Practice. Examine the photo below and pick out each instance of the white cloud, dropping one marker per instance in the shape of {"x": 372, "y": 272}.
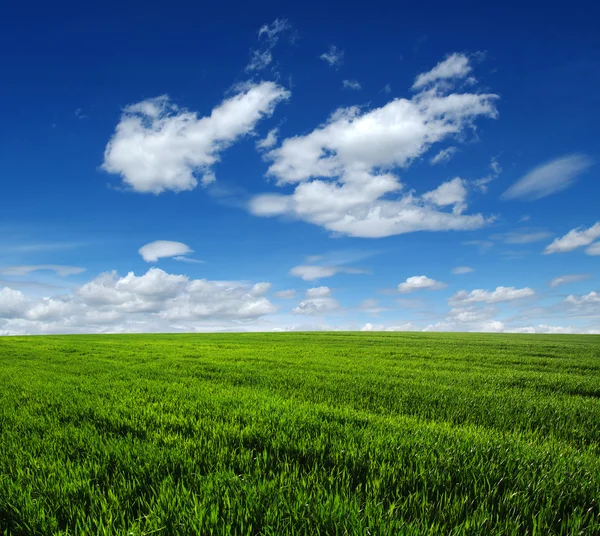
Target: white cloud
{"x": 569, "y": 278}
{"x": 449, "y": 193}
{"x": 443, "y": 156}
{"x": 454, "y": 66}
{"x": 462, "y": 270}
{"x": 333, "y": 56}
{"x": 594, "y": 249}
{"x": 419, "y": 282}
{"x": 319, "y": 301}
{"x": 154, "y": 301}
{"x": 60, "y": 270}
{"x": 501, "y": 294}
{"x": 286, "y": 294}
{"x": 387, "y": 88}
{"x": 351, "y": 84}
{"x": 343, "y": 168}
{"x": 549, "y": 178}
{"x": 164, "y": 248}
{"x": 269, "y": 140}
{"x": 574, "y": 239}
{"x": 158, "y": 146}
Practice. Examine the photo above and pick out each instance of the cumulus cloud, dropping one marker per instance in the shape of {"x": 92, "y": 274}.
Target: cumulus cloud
{"x": 419, "y": 282}
{"x": 549, "y": 178}
{"x": 501, "y": 294}
{"x": 286, "y": 294}
{"x": 453, "y": 67}
{"x": 343, "y": 170}
{"x": 574, "y": 239}
{"x": 60, "y": 270}
{"x": 448, "y": 193}
{"x": 568, "y": 278}
{"x": 318, "y": 301}
{"x": 154, "y": 301}
{"x": 334, "y": 57}
{"x": 269, "y": 140}
{"x": 443, "y": 156}
{"x": 462, "y": 270}
{"x": 164, "y": 248}
{"x": 158, "y": 146}
{"x": 351, "y": 84}
{"x": 12, "y": 303}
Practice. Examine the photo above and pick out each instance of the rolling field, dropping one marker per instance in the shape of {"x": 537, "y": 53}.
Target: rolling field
{"x": 305, "y": 433}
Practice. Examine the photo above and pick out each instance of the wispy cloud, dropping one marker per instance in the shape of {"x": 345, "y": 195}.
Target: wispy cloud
{"x": 568, "y": 278}
{"x": 549, "y": 178}
{"x": 443, "y": 156}
{"x": 334, "y": 57}
{"x": 268, "y": 35}
{"x": 60, "y": 270}
{"x": 522, "y": 236}
{"x": 460, "y": 270}
{"x": 351, "y": 84}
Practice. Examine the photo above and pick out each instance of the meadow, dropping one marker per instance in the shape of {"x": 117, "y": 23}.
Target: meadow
{"x": 303, "y": 433}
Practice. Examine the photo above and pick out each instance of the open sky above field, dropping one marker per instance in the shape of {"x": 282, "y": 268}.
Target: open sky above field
{"x": 244, "y": 166}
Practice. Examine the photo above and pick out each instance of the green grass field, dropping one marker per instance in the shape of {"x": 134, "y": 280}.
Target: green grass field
{"x": 311, "y": 433}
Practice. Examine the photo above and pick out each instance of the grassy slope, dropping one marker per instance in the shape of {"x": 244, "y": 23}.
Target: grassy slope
{"x": 300, "y": 433}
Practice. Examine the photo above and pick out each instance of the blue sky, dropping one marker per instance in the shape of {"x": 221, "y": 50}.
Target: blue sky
{"x": 205, "y": 168}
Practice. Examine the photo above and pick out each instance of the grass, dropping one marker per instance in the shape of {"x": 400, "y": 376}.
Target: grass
{"x": 309, "y": 433}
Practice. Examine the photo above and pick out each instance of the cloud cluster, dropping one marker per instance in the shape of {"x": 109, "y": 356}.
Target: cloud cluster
{"x": 454, "y": 66}
{"x": 158, "y": 146}
{"x": 343, "y": 171}
{"x": 153, "y": 301}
